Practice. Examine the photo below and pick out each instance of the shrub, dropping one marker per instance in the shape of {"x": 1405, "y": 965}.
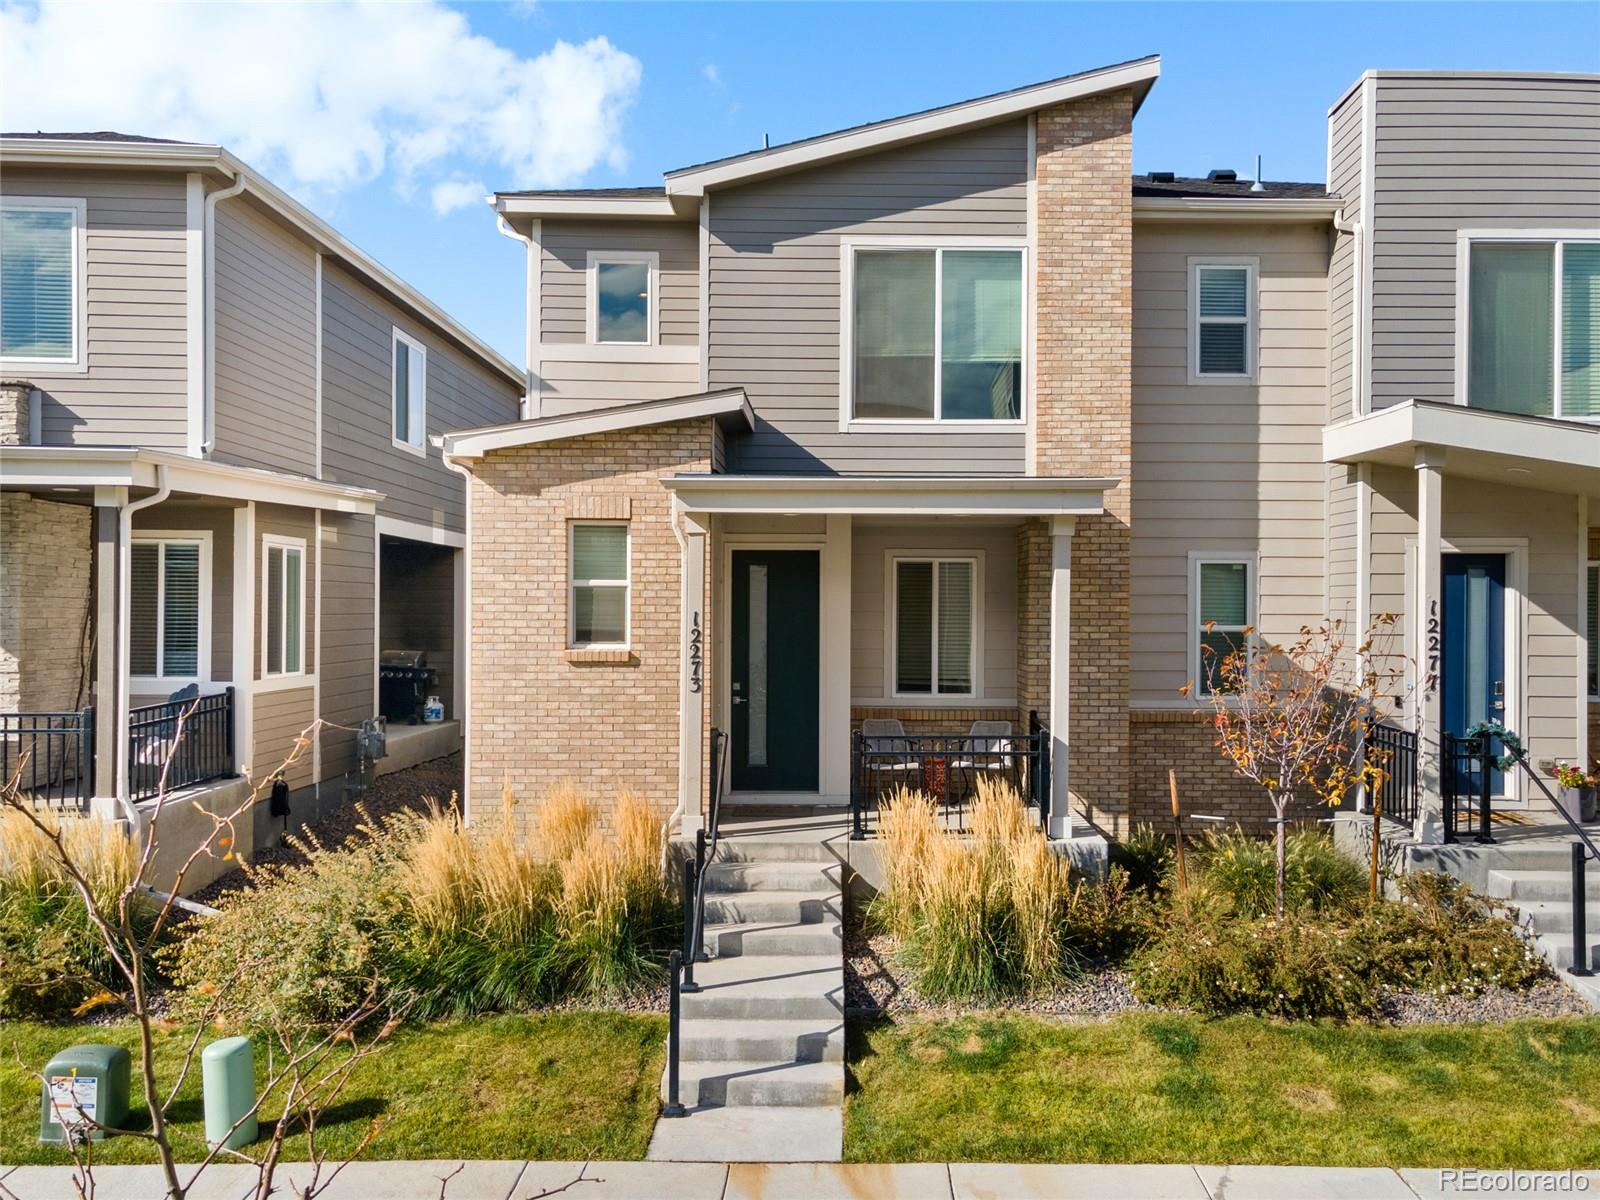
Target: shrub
{"x": 1145, "y": 855}
{"x": 1107, "y": 921}
{"x": 51, "y": 957}
{"x": 1317, "y": 875}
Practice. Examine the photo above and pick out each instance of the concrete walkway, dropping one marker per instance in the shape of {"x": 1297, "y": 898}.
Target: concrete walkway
{"x": 820, "y": 1181}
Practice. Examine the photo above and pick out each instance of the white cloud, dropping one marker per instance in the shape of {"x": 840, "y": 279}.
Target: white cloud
{"x": 713, "y": 76}
{"x": 451, "y": 194}
{"x": 324, "y": 97}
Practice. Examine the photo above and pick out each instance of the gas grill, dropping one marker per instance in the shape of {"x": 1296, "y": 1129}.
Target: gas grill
{"x": 404, "y": 678}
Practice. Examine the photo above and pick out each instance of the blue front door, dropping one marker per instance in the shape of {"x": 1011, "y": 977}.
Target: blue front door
{"x": 1472, "y": 678}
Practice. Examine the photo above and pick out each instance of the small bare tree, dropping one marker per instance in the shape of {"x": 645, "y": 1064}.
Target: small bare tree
{"x": 307, "y": 1067}
{"x": 1294, "y": 720}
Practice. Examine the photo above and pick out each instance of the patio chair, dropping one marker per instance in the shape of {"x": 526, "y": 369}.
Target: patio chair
{"x": 886, "y": 752}
{"x": 989, "y": 748}
{"x": 157, "y": 742}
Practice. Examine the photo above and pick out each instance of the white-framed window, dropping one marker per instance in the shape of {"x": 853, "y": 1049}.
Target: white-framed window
{"x": 1532, "y": 313}
{"x": 934, "y": 333}
{"x": 1222, "y": 320}
{"x": 283, "y": 606}
{"x": 1222, "y": 612}
{"x": 934, "y": 618}
{"x": 598, "y": 595}
{"x": 169, "y": 617}
{"x": 42, "y": 282}
{"x": 622, "y": 287}
{"x": 1592, "y": 626}
{"x": 409, "y": 392}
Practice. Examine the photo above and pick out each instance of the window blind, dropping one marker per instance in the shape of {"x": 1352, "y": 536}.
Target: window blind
{"x": 180, "y": 617}
{"x": 36, "y": 283}
{"x": 955, "y": 627}
{"x": 1580, "y": 329}
{"x": 913, "y": 627}
{"x": 1594, "y": 631}
{"x": 1512, "y": 323}
{"x": 145, "y": 591}
{"x": 293, "y": 562}
{"x": 274, "y": 613}
{"x": 600, "y": 552}
{"x": 1223, "y": 326}
{"x": 1223, "y": 597}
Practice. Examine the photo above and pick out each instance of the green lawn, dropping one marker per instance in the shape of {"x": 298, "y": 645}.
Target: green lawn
{"x": 568, "y": 1086}
{"x": 1158, "y": 1088}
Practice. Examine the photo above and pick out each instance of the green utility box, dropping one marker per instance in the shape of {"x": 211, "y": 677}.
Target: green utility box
{"x": 88, "y": 1081}
{"x": 228, "y": 1079}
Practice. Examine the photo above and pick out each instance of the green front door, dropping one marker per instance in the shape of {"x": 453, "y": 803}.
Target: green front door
{"x": 774, "y": 660}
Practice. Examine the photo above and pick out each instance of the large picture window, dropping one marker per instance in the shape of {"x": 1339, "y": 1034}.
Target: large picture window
{"x": 169, "y": 608}
{"x": 935, "y": 615}
{"x": 283, "y": 604}
{"x": 598, "y": 585}
{"x": 41, "y": 281}
{"x": 936, "y": 334}
{"x": 1533, "y": 317}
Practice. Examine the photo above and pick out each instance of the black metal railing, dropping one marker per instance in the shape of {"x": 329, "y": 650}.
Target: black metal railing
{"x": 1467, "y": 774}
{"x": 190, "y": 741}
{"x": 1394, "y": 751}
{"x": 50, "y": 755}
{"x": 682, "y": 960}
{"x": 947, "y": 767}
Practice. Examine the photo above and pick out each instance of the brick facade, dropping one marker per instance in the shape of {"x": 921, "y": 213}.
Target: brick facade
{"x": 541, "y": 713}
{"x": 46, "y": 563}
{"x": 1084, "y": 424}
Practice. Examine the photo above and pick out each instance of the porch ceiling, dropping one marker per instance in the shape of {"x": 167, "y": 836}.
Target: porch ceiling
{"x": 892, "y": 495}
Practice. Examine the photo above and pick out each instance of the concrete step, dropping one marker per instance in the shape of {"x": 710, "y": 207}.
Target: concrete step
{"x": 756, "y": 849}
{"x": 772, "y": 877}
{"x": 760, "y": 1135}
{"x": 784, "y": 988}
{"x": 1557, "y": 950}
{"x": 772, "y": 939}
{"x": 1541, "y": 885}
{"x": 762, "y": 1041}
{"x": 760, "y": 1084}
{"x": 1555, "y": 916}
{"x": 791, "y": 908}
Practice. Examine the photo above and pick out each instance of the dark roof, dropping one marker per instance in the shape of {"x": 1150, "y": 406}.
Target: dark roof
{"x": 620, "y": 193}
{"x": 1144, "y": 185}
{"x": 104, "y": 135}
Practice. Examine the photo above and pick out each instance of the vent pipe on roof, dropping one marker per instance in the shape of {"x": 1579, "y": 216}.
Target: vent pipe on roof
{"x": 1258, "y": 186}
{"x": 766, "y": 141}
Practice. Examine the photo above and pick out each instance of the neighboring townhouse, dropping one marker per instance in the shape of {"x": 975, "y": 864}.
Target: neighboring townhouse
{"x": 216, "y": 472}
{"x": 951, "y": 418}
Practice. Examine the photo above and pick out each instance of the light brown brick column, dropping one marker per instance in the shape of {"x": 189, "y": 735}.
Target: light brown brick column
{"x": 1084, "y": 425}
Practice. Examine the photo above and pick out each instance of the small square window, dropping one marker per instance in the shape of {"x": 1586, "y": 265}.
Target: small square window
{"x": 598, "y": 555}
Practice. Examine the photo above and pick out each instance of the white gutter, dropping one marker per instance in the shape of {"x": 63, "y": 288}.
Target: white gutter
{"x": 1236, "y": 208}
{"x": 507, "y": 230}
{"x": 1358, "y": 374}
{"x": 124, "y": 634}
{"x": 210, "y": 365}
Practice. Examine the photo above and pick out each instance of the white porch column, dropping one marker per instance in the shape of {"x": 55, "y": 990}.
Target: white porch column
{"x": 693, "y": 678}
{"x": 1427, "y": 651}
{"x": 833, "y": 776}
{"x": 1060, "y": 691}
{"x": 107, "y": 667}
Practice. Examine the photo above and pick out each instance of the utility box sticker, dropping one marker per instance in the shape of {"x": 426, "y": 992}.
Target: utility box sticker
{"x": 73, "y": 1100}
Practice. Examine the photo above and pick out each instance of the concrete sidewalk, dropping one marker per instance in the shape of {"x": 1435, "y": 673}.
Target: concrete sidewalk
{"x": 818, "y": 1181}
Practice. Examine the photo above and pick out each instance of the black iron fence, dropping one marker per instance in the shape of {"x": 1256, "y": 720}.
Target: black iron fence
{"x": 1394, "y": 750}
{"x": 946, "y": 767}
{"x": 1468, "y": 776}
{"x": 51, "y": 756}
{"x": 190, "y": 740}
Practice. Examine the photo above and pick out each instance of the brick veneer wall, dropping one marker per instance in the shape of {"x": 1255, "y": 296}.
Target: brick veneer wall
{"x": 1084, "y": 418}
{"x": 45, "y": 567}
{"x": 542, "y": 714}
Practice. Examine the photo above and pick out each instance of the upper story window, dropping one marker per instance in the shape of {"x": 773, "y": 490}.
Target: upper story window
{"x": 935, "y": 626}
{"x": 622, "y": 299}
{"x": 1222, "y": 318}
{"x": 934, "y": 334}
{"x": 1533, "y": 316}
{"x": 1222, "y": 612}
{"x": 41, "y": 282}
{"x": 283, "y": 606}
{"x": 169, "y": 606}
{"x": 597, "y": 583}
{"x": 409, "y": 390}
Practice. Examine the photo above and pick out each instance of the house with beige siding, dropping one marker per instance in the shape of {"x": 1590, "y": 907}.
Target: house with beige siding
{"x": 216, "y": 479}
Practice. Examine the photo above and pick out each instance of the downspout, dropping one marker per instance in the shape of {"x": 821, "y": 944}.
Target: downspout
{"x": 1355, "y": 229}
{"x": 464, "y": 667}
{"x": 675, "y": 821}
{"x": 508, "y": 230}
{"x": 124, "y": 634}
{"x": 210, "y": 366}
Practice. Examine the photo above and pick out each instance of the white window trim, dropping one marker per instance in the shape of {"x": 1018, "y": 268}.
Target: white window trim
{"x": 78, "y": 207}
{"x": 420, "y": 446}
{"x": 649, "y": 258}
{"x": 1198, "y": 558}
{"x": 268, "y": 542}
{"x": 891, "y": 679}
{"x": 848, "y": 247}
{"x": 159, "y": 681}
{"x": 625, "y": 584}
{"x": 1465, "y": 239}
{"x": 1251, "y": 321}
{"x": 1590, "y": 565}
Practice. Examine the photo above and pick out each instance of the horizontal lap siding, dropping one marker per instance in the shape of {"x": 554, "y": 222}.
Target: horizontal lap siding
{"x": 280, "y": 718}
{"x": 1226, "y": 468}
{"x": 266, "y": 332}
{"x": 348, "y": 646}
{"x": 134, "y": 392}
{"x": 775, "y": 302}
{"x": 357, "y": 377}
{"x": 1454, "y": 153}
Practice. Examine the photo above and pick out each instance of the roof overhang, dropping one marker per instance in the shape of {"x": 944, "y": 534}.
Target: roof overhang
{"x": 215, "y": 160}
{"x": 1535, "y": 452}
{"x": 693, "y": 182}
{"x": 892, "y": 495}
{"x": 730, "y": 407}
{"x": 46, "y": 467}
{"x": 1228, "y": 208}
{"x": 628, "y": 208}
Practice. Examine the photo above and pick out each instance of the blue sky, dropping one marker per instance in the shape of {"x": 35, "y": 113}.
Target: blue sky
{"x": 641, "y": 88}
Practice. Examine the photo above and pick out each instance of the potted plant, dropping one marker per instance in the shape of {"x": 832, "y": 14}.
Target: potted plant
{"x": 1576, "y": 798}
